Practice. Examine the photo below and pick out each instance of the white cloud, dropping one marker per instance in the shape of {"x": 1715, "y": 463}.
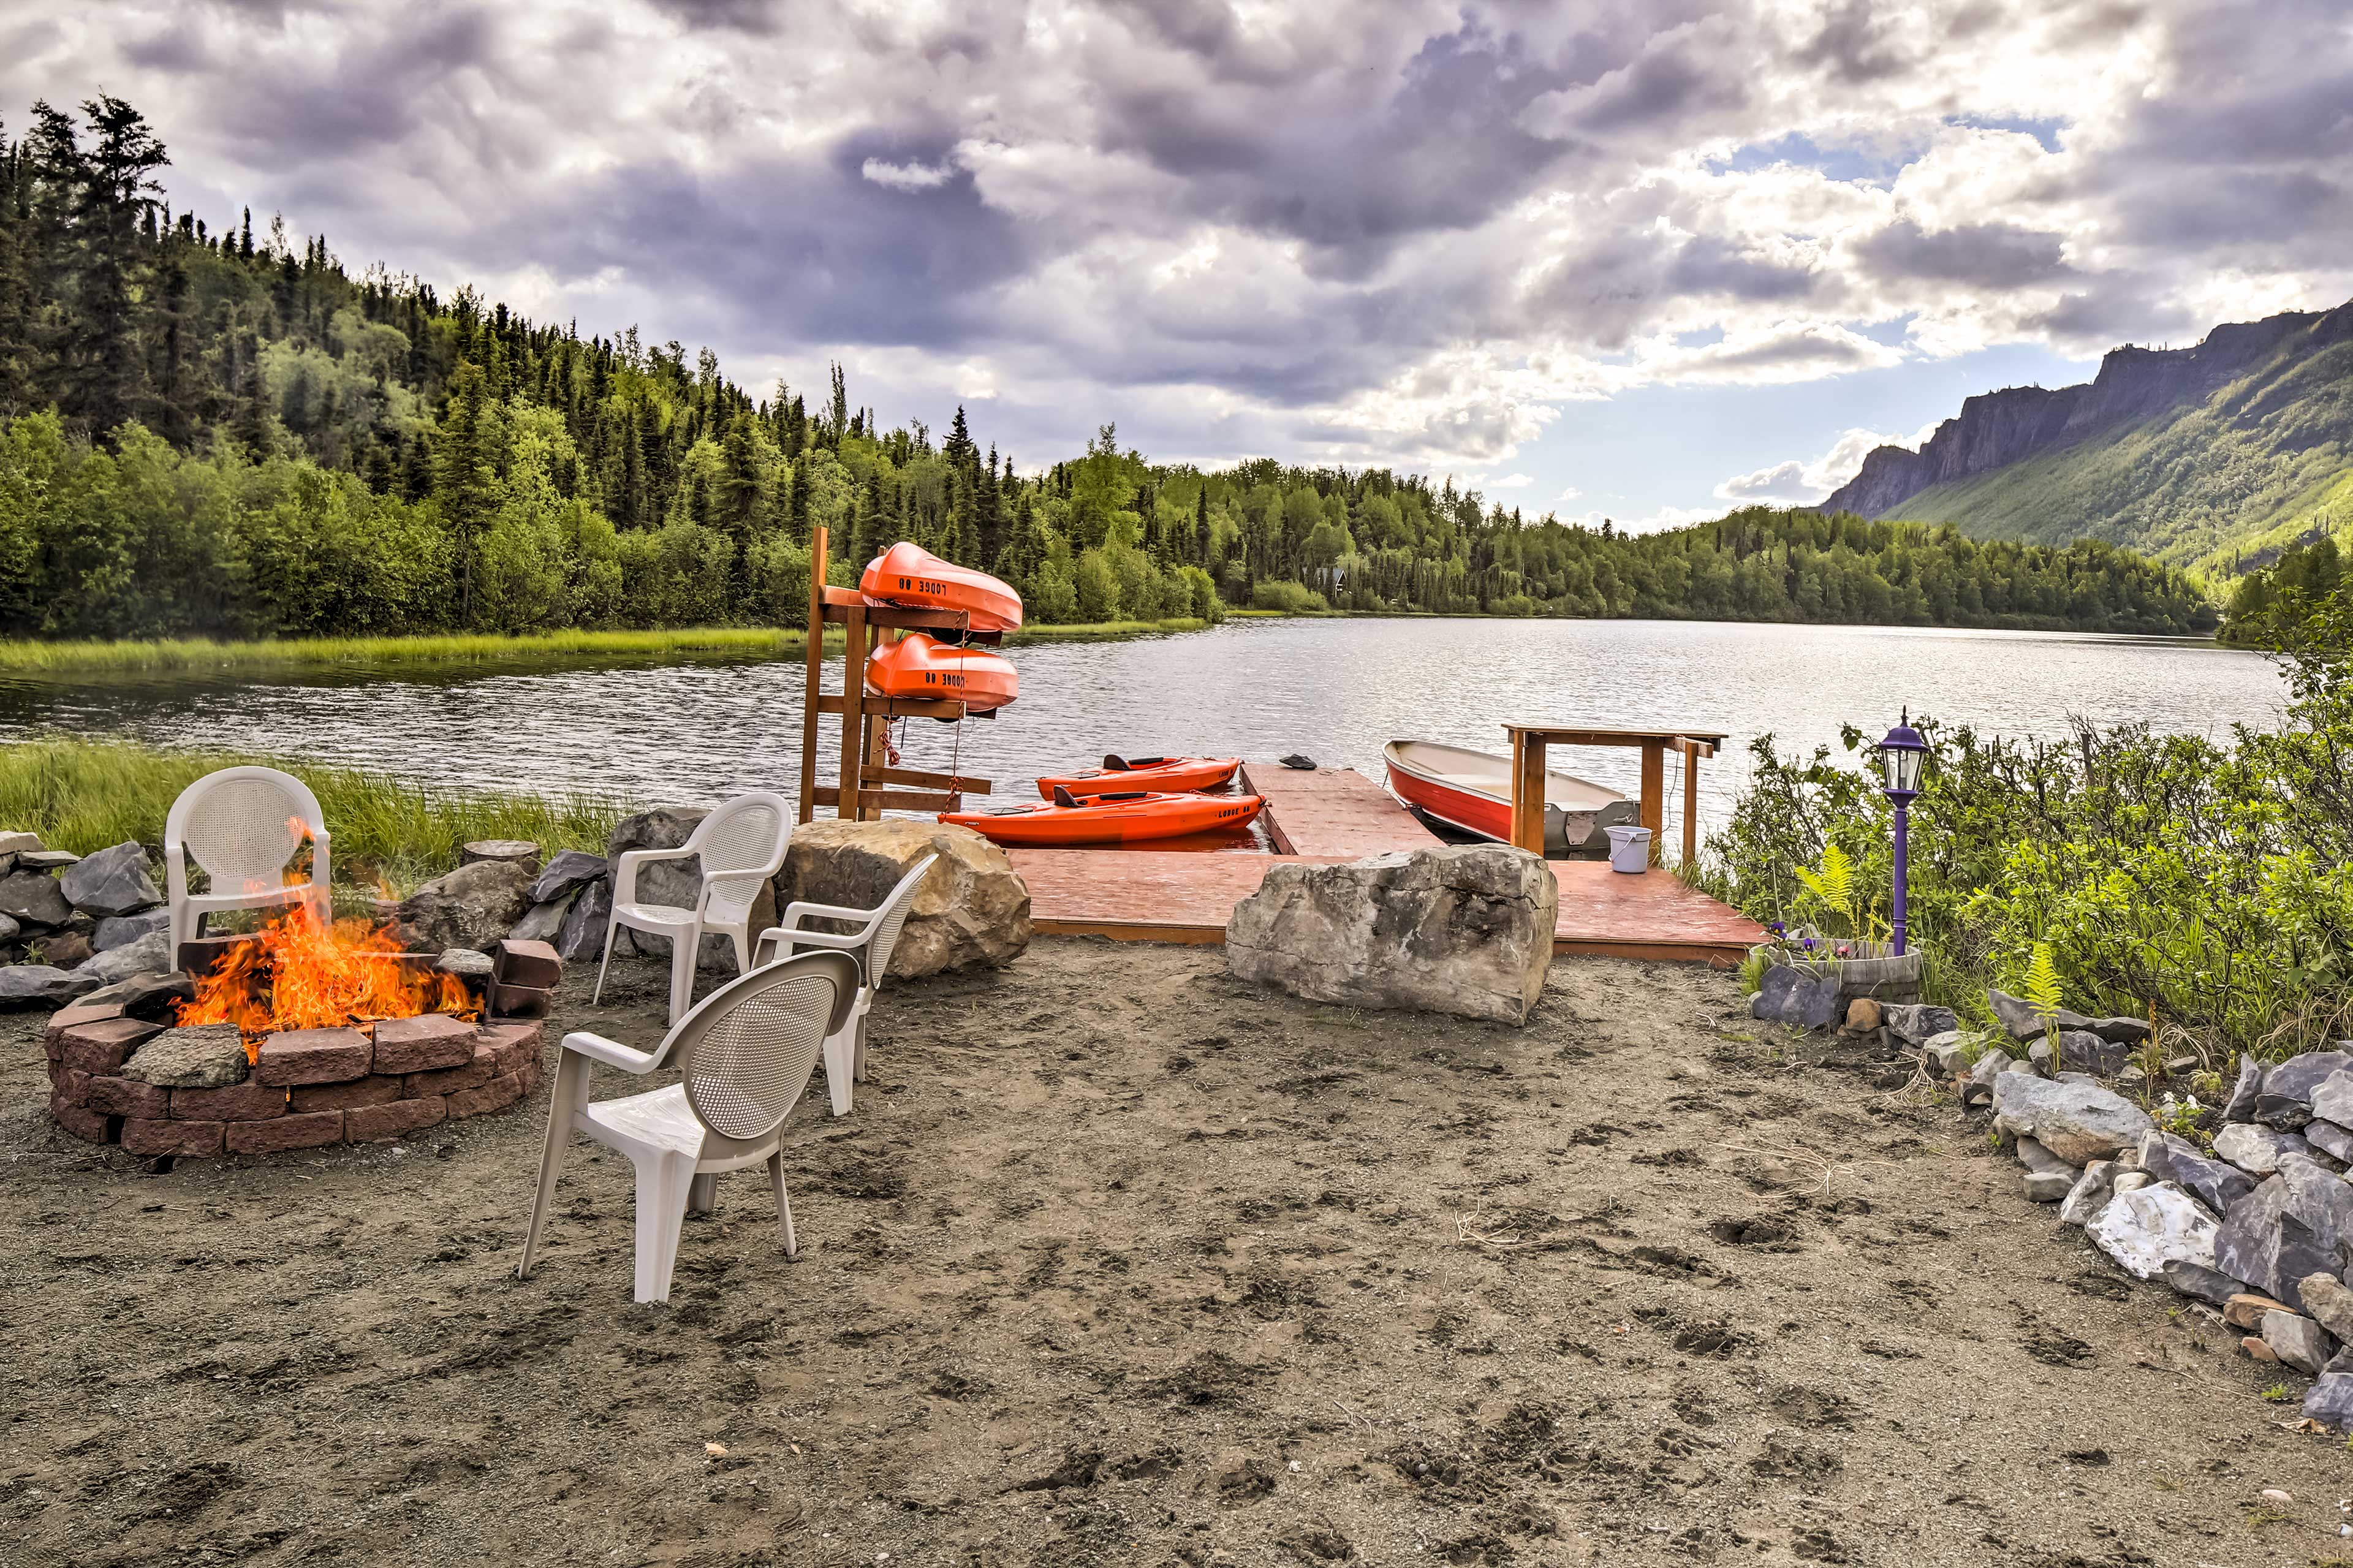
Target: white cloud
{"x": 1512, "y": 482}
{"x": 906, "y": 176}
{"x": 1795, "y": 482}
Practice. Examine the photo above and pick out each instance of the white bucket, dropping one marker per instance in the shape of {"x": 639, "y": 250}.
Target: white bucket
{"x": 1629, "y": 849}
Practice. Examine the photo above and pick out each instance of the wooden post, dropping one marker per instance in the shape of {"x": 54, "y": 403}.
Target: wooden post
{"x": 1655, "y": 796}
{"x": 1528, "y": 792}
{"x": 813, "y": 682}
{"x": 1691, "y": 805}
{"x": 853, "y": 712}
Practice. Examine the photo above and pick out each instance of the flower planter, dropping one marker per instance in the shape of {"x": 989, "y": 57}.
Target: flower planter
{"x": 1861, "y": 967}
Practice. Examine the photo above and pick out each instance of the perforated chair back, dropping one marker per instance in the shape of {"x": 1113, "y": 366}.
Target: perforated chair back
{"x": 746, "y": 1051}
{"x": 244, "y": 825}
{"x": 895, "y": 911}
{"x": 742, "y": 844}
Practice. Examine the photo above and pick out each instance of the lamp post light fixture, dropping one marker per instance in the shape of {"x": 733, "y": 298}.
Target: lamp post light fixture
{"x": 1899, "y": 756}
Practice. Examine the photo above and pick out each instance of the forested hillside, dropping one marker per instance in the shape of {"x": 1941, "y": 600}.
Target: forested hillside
{"x": 207, "y": 431}
{"x": 2213, "y": 458}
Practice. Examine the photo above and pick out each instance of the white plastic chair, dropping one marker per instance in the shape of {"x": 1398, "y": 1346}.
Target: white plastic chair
{"x": 870, "y": 945}
{"x": 742, "y": 844}
{"x": 243, "y": 827}
{"x": 745, "y": 1056}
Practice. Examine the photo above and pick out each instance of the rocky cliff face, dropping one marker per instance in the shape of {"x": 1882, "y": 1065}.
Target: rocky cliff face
{"x": 1998, "y": 429}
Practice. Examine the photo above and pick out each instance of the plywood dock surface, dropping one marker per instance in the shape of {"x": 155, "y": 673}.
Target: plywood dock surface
{"x": 1144, "y": 895}
{"x": 1333, "y": 813}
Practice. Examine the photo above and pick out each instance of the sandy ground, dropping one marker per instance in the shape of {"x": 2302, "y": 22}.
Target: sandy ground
{"x": 1119, "y": 1261}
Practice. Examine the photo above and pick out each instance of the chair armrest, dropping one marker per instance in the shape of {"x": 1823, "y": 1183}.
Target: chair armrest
{"x": 612, "y": 1053}
{"x": 797, "y": 912}
{"x": 625, "y": 869}
{"x": 854, "y": 944}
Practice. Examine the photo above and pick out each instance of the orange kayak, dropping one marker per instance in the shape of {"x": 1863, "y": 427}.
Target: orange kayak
{"x": 911, "y": 576}
{"x": 915, "y": 666}
{"x": 1110, "y": 819}
{"x": 1123, "y": 774}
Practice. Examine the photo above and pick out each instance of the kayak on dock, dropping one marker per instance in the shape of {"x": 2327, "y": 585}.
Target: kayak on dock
{"x": 1127, "y": 774}
{"x": 911, "y": 577}
{"x": 1111, "y": 818}
{"x": 1472, "y": 791}
{"x": 917, "y": 667}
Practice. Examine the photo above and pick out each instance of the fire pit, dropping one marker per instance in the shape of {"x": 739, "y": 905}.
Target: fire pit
{"x": 296, "y": 1036}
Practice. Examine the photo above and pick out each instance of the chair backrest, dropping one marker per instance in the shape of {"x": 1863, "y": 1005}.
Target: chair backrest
{"x": 742, "y": 844}
{"x": 746, "y": 1051}
{"x": 895, "y": 911}
{"x": 239, "y": 825}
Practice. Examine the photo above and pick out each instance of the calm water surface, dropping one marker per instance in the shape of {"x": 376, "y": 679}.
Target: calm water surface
{"x": 695, "y": 730}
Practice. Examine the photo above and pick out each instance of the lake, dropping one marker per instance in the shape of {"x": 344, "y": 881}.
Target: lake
{"x": 695, "y": 728}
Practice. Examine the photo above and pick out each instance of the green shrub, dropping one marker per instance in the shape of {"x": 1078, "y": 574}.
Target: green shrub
{"x": 1290, "y": 598}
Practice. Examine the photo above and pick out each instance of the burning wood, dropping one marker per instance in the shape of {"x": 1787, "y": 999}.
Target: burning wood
{"x": 297, "y": 973}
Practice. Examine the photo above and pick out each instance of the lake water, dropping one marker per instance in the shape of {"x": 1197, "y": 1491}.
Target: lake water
{"x": 689, "y": 730}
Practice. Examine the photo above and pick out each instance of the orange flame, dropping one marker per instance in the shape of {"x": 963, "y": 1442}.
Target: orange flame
{"x": 300, "y": 974}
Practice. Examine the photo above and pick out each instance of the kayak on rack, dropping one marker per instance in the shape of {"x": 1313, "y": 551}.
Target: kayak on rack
{"x": 1124, "y": 776}
{"x": 1473, "y": 791}
{"x": 917, "y": 667}
{"x": 909, "y": 575}
{"x": 1111, "y": 818}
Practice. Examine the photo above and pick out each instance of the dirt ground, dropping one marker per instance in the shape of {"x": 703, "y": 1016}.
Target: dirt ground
{"x": 1120, "y": 1261}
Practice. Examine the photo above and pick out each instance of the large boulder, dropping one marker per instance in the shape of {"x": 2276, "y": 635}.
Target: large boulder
{"x": 113, "y": 881}
{"x": 2076, "y": 1120}
{"x": 1464, "y": 929}
{"x": 570, "y": 870}
{"x": 2291, "y": 1226}
{"x": 473, "y": 906}
{"x": 34, "y": 898}
{"x": 972, "y": 909}
{"x": 2148, "y": 1228}
{"x": 582, "y": 933}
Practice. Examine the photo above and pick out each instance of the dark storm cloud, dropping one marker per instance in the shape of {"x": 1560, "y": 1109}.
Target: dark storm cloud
{"x": 758, "y": 16}
{"x": 1984, "y": 255}
{"x": 1709, "y": 266}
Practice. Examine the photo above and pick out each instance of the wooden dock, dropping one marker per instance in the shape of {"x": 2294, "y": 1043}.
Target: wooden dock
{"x": 1331, "y": 815}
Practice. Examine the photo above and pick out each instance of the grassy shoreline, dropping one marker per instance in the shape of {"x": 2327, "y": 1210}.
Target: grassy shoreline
{"x": 29, "y": 657}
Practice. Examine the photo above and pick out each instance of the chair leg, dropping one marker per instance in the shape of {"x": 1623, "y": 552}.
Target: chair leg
{"x": 563, "y": 1101}
{"x": 840, "y": 1053}
{"x": 859, "y": 1071}
{"x": 662, "y": 1184}
{"x": 742, "y": 937}
{"x": 784, "y": 1204}
{"x": 703, "y": 1193}
{"x": 682, "y": 946}
{"x": 612, "y": 929}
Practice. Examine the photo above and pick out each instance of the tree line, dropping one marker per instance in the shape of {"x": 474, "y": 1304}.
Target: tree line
{"x": 207, "y": 432}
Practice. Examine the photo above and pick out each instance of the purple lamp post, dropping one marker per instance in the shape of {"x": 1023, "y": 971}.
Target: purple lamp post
{"x": 1899, "y": 756}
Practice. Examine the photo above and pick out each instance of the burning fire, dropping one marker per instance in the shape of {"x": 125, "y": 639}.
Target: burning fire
{"x": 300, "y": 974}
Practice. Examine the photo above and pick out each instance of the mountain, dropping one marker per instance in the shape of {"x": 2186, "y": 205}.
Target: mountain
{"x": 2213, "y": 458}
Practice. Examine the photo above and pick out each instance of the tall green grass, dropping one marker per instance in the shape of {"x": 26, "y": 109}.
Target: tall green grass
{"x": 83, "y": 795}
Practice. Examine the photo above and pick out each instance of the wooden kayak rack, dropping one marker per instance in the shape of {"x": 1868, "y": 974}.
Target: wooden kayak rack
{"x": 869, "y": 784}
{"x": 1528, "y": 743}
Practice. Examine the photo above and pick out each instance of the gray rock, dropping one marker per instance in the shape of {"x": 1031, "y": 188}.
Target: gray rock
{"x": 2285, "y": 1099}
{"x": 1795, "y": 998}
{"x": 8, "y": 928}
{"x": 1948, "y": 1052}
{"x": 2078, "y": 1122}
{"x": 2329, "y": 1401}
{"x": 202, "y": 1055}
{"x": 2267, "y": 1246}
{"x": 2327, "y": 1299}
{"x": 1988, "y": 1069}
{"x": 50, "y": 860}
{"x": 32, "y": 899}
{"x": 542, "y": 923}
{"x": 521, "y": 851}
{"x": 151, "y": 998}
{"x": 1917, "y": 1022}
{"x": 2241, "y": 1105}
{"x": 2121, "y": 1031}
{"x": 674, "y": 882}
{"x": 2170, "y": 1157}
{"x": 14, "y": 843}
{"x": 465, "y": 963}
{"x": 1465, "y": 930}
{"x": 2018, "y": 1016}
{"x": 472, "y": 906}
{"x": 2256, "y": 1149}
{"x": 2038, "y": 1059}
{"x": 151, "y": 954}
{"x": 122, "y": 931}
{"x": 2090, "y": 1193}
{"x": 2330, "y": 1139}
{"x": 2332, "y": 1099}
{"x": 2297, "y": 1341}
{"x": 570, "y": 870}
{"x": 2209, "y": 1285}
{"x": 2049, "y": 1179}
{"x": 114, "y": 881}
{"x": 42, "y": 985}
{"x": 2088, "y": 1052}
{"x": 582, "y": 934}
{"x": 2128, "y": 1181}
{"x": 2146, "y": 1227}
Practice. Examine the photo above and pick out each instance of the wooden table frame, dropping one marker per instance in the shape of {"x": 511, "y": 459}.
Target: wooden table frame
{"x": 1528, "y": 743}
{"x": 867, "y": 780}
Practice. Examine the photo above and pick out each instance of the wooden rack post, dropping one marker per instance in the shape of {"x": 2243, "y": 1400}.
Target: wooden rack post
{"x": 868, "y": 784}
{"x": 1528, "y": 743}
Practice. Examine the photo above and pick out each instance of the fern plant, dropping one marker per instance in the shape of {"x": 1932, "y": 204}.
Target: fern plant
{"x": 2043, "y": 994}
{"x": 1836, "y": 887}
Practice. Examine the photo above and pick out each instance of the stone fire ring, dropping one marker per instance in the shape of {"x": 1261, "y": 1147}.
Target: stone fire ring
{"x": 161, "y": 1091}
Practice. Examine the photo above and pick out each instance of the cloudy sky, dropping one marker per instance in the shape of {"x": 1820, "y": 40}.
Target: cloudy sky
{"x": 1639, "y": 259}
